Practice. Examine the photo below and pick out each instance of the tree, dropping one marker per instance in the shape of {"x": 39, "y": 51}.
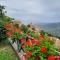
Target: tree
{"x": 3, "y": 18}
{"x": 2, "y": 11}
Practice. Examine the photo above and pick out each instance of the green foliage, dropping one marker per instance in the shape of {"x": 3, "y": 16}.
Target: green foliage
{"x": 51, "y": 50}
{"x": 2, "y": 11}
{"x": 7, "y": 19}
{"x": 33, "y": 34}
{"x": 18, "y": 36}
{"x": 43, "y": 33}
{"x": 24, "y": 28}
{"x": 2, "y": 32}
{"x": 3, "y": 17}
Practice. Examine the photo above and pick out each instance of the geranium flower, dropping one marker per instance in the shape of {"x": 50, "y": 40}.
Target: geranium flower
{"x": 51, "y": 57}
{"x": 9, "y": 34}
{"x": 38, "y": 43}
{"x": 44, "y": 50}
{"x": 29, "y": 43}
{"x": 23, "y": 46}
{"x": 33, "y": 41}
{"x": 29, "y": 54}
{"x": 22, "y": 40}
{"x": 8, "y": 26}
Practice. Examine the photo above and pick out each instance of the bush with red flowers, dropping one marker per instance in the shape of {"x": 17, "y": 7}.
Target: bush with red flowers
{"x": 23, "y": 46}
{"x": 51, "y": 58}
{"x": 44, "y": 50}
{"x": 36, "y": 47}
{"x": 29, "y": 54}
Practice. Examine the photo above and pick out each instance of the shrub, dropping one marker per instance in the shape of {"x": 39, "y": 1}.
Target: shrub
{"x": 2, "y": 32}
{"x": 24, "y": 28}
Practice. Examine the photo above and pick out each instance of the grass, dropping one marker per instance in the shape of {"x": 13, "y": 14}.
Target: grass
{"x": 6, "y": 52}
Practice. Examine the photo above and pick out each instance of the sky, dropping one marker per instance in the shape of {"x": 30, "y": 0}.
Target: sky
{"x": 35, "y": 11}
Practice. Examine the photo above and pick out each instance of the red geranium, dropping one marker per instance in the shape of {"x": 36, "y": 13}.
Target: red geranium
{"x": 44, "y": 50}
{"x": 23, "y": 46}
{"x": 33, "y": 41}
{"x": 38, "y": 43}
{"x": 9, "y": 26}
{"x": 29, "y": 54}
{"x": 9, "y": 34}
{"x": 51, "y": 57}
{"x": 29, "y": 43}
{"x": 22, "y": 40}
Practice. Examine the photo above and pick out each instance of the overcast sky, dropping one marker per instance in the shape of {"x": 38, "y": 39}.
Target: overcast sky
{"x": 35, "y": 11}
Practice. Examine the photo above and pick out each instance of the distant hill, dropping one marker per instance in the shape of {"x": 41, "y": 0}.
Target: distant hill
{"x": 52, "y": 28}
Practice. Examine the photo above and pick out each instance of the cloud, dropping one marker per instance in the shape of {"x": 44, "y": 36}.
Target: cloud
{"x": 33, "y": 10}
